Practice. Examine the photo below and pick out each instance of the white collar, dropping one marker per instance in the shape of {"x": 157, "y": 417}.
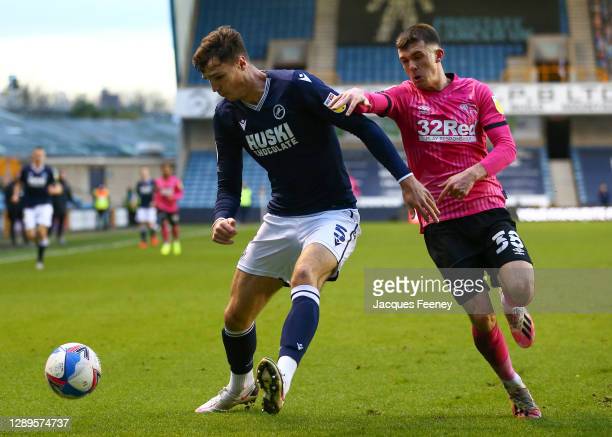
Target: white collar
{"x": 262, "y": 99}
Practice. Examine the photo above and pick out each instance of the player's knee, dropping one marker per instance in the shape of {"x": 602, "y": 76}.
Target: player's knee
{"x": 521, "y": 289}
{"x": 303, "y": 275}
{"x": 234, "y": 320}
{"x": 483, "y": 322}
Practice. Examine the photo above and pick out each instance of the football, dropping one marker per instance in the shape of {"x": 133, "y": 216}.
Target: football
{"x": 73, "y": 370}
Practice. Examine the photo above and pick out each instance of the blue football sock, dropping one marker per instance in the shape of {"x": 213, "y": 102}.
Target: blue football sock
{"x": 301, "y": 322}
{"x": 240, "y": 348}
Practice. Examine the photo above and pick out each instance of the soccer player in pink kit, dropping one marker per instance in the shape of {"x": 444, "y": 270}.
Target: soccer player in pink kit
{"x": 443, "y": 119}
{"x": 168, "y": 191}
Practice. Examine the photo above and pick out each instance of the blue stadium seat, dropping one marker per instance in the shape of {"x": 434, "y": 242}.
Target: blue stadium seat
{"x": 200, "y": 180}
{"x": 592, "y": 166}
{"x": 376, "y": 64}
{"x": 528, "y": 174}
{"x": 257, "y": 20}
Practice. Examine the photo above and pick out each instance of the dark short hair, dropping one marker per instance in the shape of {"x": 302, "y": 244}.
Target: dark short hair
{"x": 224, "y": 43}
{"x": 414, "y": 34}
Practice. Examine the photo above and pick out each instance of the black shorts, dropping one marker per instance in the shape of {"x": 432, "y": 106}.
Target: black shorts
{"x": 486, "y": 240}
{"x": 171, "y": 217}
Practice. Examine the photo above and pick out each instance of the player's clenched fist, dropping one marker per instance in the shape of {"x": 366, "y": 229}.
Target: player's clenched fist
{"x": 224, "y": 230}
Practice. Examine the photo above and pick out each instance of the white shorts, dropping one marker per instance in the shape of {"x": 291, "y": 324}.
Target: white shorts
{"x": 280, "y": 241}
{"x": 39, "y": 215}
{"x": 146, "y": 215}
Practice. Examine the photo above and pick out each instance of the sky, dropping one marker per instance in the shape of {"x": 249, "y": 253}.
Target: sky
{"x": 82, "y": 46}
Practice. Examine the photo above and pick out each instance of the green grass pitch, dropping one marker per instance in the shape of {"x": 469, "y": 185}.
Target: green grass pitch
{"x": 155, "y": 323}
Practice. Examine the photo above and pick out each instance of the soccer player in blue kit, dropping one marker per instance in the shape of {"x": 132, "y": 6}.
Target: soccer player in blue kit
{"x": 280, "y": 118}
{"x": 146, "y": 214}
{"x": 38, "y": 184}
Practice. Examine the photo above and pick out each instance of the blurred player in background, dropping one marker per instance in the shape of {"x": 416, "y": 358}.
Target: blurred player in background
{"x": 146, "y": 215}
{"x": 38, "y": 184}
{"x": 168, "y": 191}
{"x": 279, "y": 117}
{"x": 14, "y": 211}
{"x": 444, "y": 121}
{"x": 60, "y": 207}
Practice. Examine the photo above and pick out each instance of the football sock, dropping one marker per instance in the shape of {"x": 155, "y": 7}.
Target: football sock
{"x": 301, "y": 322}
{"x": 175, "y": 232}
{"x": 164, "y": 231}
{"x": 240, "y": 348}
{"x": 492, "y": 346}
{"x": 152, "y": 233}
{"x": 516, "y": 381}
{"x": 41, "y": 249}
{"x": 287, "y": 367}
{"x": 238, "y": 382}
{"x": 143, "y": 235}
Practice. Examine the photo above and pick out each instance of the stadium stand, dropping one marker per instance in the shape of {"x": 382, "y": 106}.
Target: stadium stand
{"x": 601, "y": 22}
{"x": 527, "y": 180}
{"x": 592, "y": 166}
{"x": 200, "y": 180}
{"x": 62, "y": 136}
{"x": 379, "y": 64}
{"x": 259, "y": 21}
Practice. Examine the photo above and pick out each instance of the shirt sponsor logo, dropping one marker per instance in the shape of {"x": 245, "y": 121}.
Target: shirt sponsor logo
{"x": 35, "y": 181}
{"x": 446, "y": 131}
{"x": 167, "y": 191}
{"x": 270, "y": 141}
{"x": 242, "y": 124}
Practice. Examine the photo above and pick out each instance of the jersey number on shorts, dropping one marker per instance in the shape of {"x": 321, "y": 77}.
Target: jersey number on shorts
{"x": 503, "y": 241}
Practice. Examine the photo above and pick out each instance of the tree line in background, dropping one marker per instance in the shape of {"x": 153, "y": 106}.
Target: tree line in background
{"x": 19, "y": 98}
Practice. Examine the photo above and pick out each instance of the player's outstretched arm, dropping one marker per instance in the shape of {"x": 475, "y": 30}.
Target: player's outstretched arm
{"x": 419, "y": 199}
{"x": 223, "y": 230}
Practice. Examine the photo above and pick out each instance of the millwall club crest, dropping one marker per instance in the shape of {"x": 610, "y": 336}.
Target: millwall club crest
{"x": 243, "y": 124}
{"x": 278, "y": 111}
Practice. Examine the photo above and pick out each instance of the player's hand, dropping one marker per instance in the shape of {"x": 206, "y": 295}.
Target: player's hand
{"x": 224, "y": 230}
{"x": 351, "y": 97}
{"x": 419, "y": 199}
{"x": 458, "y": 186}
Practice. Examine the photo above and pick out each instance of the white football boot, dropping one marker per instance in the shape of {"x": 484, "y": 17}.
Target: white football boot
{"x": 226, "y": 400}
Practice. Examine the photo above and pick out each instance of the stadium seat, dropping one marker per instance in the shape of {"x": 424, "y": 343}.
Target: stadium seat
{"x": 200, "y": 180}
{"x": 379, "y": 64}
{"x": 528, "y": 175}
{"x": 592, "y": 166}
{"x": 257, "y": 20}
